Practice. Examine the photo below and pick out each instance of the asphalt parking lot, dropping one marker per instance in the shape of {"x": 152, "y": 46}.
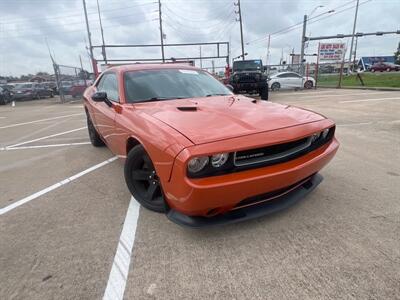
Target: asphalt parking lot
{"x": 64, "y": 204}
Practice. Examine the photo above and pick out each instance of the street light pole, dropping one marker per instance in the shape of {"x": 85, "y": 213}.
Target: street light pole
{"x": 239, "y": 12}
{"x": 103, "y": 48}
{"x": 89, "y": 36}
{"x": 303, "y": 43}
{"x": 352, "y": 38}
{"x": 161, "y": 31}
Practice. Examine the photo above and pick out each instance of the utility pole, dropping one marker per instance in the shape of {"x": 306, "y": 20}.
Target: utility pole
{"x": 352, "y": 38}
{"x": 239, "y": 12}
{"x": 269, "y": 45}
{"x": 303, "y": 43}
{"x": 103, "y": 48}
{"x": 355, "y": 52}
{"x": 201, "y": 61}
{"x": 89, "y": 36}
{"x": 161, "y": 31}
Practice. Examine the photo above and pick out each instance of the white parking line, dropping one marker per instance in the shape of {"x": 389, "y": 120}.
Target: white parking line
{"x": 119, "y": 271}
{"x": 370, "y": 99}
{"x": 46, "y": 137}
{"x": 54, "y": 186}
{"x": 41, "y": 120}
{"x": 306, "y": 97}
{"x": 43, "y": 146}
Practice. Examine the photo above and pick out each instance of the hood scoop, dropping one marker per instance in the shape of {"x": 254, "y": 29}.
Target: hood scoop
{"x": 187, "y": 108}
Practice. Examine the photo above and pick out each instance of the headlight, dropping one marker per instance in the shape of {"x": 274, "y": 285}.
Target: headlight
{"x": 196, "y": 164}
{"x": 236, "y": 77}
{"x": 315, "y": 137}
{"x": 219, "y": 160}
{"x": 325, "y": 133}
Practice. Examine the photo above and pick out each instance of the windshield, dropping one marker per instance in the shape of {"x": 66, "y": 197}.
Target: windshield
{"x": 164, "y": 84}
{"x": 23, "y": 85}
{"x": 247, "y": 65}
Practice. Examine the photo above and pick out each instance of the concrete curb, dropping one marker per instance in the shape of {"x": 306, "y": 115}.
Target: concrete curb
{"x": 362, "y": 88}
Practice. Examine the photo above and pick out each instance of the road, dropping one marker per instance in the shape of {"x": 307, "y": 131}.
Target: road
{"x": 60, "y": 233}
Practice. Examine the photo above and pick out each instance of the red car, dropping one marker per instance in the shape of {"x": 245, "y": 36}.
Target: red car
{"x": 199, "y": 153}
{"x": 382, "y": 66}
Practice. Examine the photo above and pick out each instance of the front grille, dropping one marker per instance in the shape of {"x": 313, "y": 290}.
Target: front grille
{"x": 279, "y": 153}
{"x": 247, "y": 78}
{"x": 270, "y": 153}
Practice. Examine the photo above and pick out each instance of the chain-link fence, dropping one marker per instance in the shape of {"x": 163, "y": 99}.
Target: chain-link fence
{"x": 70, "y": 82}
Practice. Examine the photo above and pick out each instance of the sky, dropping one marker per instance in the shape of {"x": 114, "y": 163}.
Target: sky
{"x": 26, "y": 25}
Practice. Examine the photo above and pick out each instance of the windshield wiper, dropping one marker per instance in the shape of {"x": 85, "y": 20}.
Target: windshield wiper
{"x": 210, "y": 95}
{"x": 159, "y": 99}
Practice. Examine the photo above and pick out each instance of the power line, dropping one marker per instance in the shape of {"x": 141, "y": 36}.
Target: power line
{"x": 299, "y": 24}
{"x": 58, "y": 17}
{"x": 69, "y": 31}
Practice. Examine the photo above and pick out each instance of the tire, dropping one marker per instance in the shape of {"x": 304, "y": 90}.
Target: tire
{"x": 388, "y": 69}
{"x": 3, "y": 101}
{"x": 264, "y": 93}
{"x": 142, "y": 180}
{"x": 308, "y": 84}
{"x": 51, "y": 95}
{"x": 37, "y": 96}
{"x": 93, "y": 134}
{"x": 275, "y": 86}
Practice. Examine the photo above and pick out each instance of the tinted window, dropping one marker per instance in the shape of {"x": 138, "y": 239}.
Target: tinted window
{"x": 247, "y": 65}
{"x": 170, "y": 84}
{"x": 109, "y": 84}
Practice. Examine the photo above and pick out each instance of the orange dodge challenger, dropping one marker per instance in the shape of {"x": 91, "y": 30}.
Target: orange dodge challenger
{"x": 201, "y": 154}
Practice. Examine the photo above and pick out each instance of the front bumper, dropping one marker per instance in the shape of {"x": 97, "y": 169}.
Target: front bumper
{"x": 263, "y": 208}
{"x": 214, "y": 195}
{"x": 22, "y": 96}
{"x": 248, "y": 86}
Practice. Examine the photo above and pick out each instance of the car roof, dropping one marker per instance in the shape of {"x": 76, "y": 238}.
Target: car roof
{"x": 140, "y": 67}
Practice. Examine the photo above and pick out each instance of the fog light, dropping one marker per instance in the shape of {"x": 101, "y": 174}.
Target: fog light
{"x": 219, "y": 159}
{"x": 196, "y": 164}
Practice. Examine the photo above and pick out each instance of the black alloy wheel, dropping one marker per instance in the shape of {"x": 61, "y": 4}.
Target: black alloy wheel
{"x": 93, "y": 134}
{"x": 308, "y": 84}
{"x": 142, "y": 180}
{"x": 275, "y": 86}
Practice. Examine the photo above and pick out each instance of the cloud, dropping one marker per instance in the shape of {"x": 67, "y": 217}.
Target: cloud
{"x": 25, "y": 25}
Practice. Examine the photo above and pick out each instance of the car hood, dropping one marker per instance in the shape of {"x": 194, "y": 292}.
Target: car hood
{"x": 204, "y": 120}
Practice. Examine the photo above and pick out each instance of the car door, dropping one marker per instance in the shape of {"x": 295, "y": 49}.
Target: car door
{"x": 283, "y": 80}
{"x": 104, "y": 115}
{"x": 296, "y": 80}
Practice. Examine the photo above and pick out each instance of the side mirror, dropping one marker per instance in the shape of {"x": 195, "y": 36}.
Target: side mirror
{"x": 101, "y": 97}
{"x": 230, "y": 87}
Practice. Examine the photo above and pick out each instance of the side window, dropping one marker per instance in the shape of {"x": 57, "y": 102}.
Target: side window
{"x": 295, "y": 75}
{"x": 109, "y": 84}
{"x": 285, "y": 75}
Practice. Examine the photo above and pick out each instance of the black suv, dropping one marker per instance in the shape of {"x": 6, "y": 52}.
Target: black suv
{"x": 248, "y": 76}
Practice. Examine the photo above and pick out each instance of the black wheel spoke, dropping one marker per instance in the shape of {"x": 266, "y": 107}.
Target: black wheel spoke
{"x": 147, "y": 161}
{"x": 141, "y": 174}
{"x": 151, "y": 190}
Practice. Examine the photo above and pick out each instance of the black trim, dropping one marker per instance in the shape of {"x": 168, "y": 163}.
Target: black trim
{"x": 249, "y": 212}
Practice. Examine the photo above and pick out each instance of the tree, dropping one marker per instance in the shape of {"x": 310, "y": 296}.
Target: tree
{"x": 397, "y": 54}
{"x": 42, "y": 74}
